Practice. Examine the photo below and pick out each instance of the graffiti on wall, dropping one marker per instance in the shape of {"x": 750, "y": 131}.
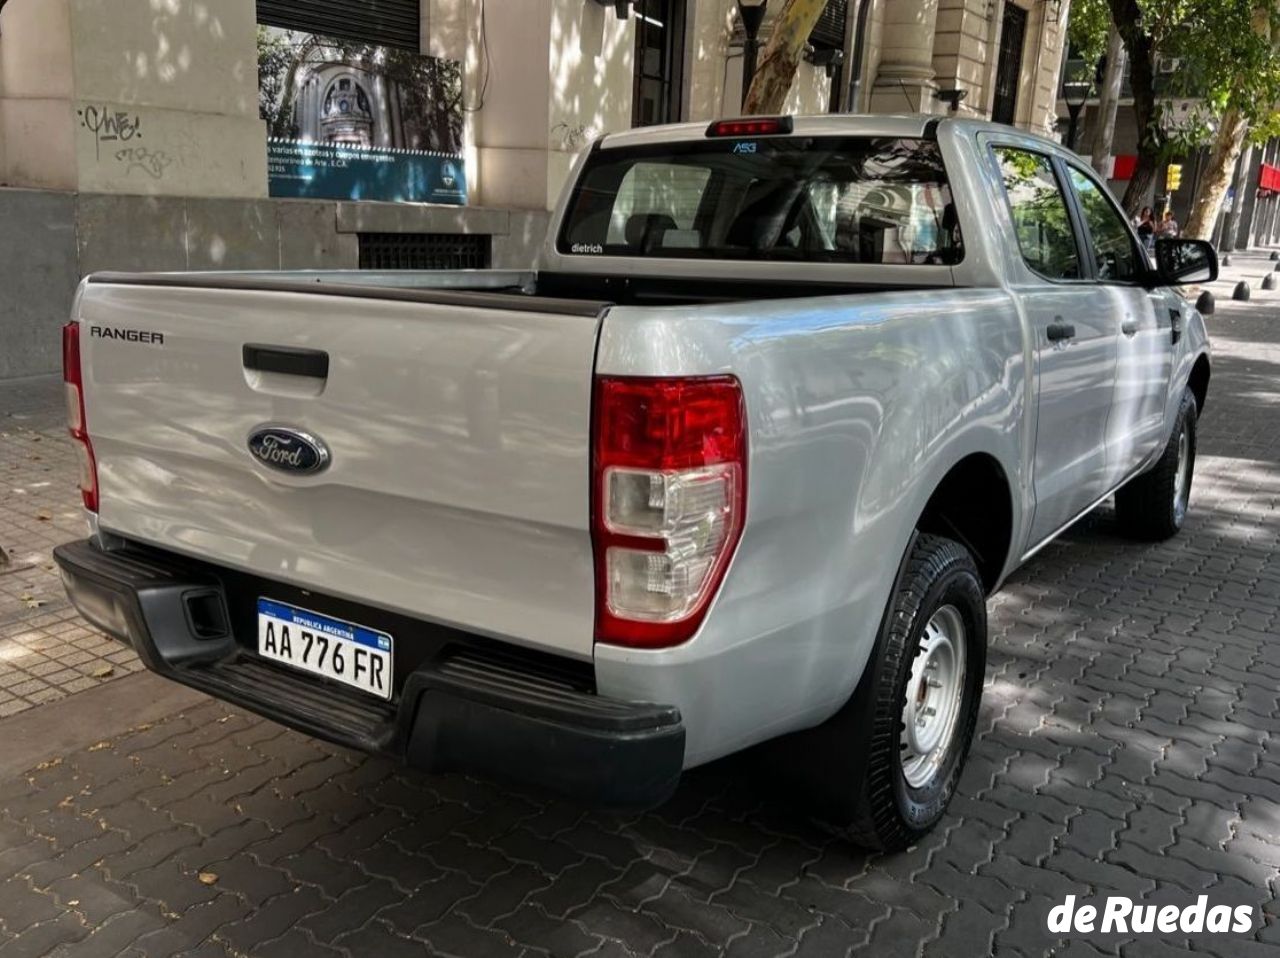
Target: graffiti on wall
{"x": 117, "y": 135}
{"x": 153, "y": 163}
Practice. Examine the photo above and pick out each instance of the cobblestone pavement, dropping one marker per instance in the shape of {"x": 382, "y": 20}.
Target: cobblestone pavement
{"x": 1127, "y": 746}
{"x": 46, "y": 651}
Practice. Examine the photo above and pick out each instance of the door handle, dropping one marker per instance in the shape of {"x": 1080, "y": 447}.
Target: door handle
{"x": 1129, "y": 327}
{"x": 286, "y": 359}
{"x": 1058, "y": 332}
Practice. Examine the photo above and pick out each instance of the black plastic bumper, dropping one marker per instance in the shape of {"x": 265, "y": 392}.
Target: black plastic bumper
{"x": 462, "y": 703}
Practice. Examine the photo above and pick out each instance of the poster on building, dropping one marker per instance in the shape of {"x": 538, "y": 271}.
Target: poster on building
{"x": 349, "y": 120}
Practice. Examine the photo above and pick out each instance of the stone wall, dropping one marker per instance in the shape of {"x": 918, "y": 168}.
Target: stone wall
{"x": 131, "y": 97}
{"x": 50, "y": 239}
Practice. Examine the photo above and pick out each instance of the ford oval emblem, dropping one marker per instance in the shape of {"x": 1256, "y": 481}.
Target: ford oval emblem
{"x": 288, "y": 449}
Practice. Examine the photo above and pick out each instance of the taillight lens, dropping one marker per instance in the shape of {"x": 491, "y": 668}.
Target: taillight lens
{"x": 76, "y": 422}
{"x": 668, "y": 497}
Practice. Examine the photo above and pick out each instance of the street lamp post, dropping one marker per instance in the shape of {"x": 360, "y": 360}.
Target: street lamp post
{"x": 752, "y": 14}
{"x": 1076, "y": 87}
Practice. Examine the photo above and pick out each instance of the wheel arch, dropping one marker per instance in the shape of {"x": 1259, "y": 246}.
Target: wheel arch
{"x": 1198, "y": 381}
{"x": 973, "y": 504}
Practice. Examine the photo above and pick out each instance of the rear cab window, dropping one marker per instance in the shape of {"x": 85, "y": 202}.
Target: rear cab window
{"x": 808, "y": 199}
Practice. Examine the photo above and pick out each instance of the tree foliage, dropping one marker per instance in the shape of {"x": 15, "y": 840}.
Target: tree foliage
{"x": 1087, "y": 30}
{"x": 1226, "y": 59}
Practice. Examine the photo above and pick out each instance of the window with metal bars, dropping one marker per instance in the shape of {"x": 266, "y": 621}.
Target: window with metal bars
{"x": 659, "y": 61}
{"x": 1013, "y": 36}
{"x": 424, "y": 251}
{"x": 828, "y": 32}
{"x": 388, "y": 23}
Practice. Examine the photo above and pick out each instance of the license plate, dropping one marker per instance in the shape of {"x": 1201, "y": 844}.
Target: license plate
{"x": 315, "y": 643}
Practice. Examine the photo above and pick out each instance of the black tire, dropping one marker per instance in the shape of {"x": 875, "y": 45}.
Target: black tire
{"x": 1153, "y": 506}
{"x": 875, "y": 805}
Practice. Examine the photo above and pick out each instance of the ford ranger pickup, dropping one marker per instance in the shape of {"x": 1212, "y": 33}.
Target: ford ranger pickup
{"x": 783, "y": 401}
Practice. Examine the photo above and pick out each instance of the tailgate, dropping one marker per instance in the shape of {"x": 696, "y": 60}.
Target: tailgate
{"x": 457, "y": 427}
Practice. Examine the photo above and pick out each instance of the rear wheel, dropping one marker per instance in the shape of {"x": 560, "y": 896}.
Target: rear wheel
{"x": 911, "y": 720}
{"x": 1153, "y": 506}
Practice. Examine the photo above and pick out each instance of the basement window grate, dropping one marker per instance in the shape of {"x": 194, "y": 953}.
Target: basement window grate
{"x": 424, "y": 251}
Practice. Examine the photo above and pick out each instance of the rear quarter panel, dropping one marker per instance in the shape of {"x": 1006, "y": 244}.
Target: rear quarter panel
{"x": 857, "y": 407}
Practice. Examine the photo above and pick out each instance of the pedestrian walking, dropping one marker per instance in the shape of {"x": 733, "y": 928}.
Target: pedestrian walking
{"x": 1145, "y": 224}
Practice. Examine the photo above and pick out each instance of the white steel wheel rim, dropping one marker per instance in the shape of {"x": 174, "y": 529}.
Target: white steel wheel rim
{"x": 1182, "y": 477}
{"x": 935, "y": 692}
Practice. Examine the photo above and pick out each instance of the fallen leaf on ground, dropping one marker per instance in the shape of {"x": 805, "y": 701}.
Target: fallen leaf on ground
{"x": 31, "y": 601}
{"x": 102, "y": 671}
{"x": 44, "y": 515}
{"x": 208, "y": 878}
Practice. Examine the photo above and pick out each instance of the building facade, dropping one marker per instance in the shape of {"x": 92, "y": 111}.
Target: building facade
{"x": 162, "y": 134}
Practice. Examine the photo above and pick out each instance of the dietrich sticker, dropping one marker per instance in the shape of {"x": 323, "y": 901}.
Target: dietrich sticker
{"x": 127, "y": 335}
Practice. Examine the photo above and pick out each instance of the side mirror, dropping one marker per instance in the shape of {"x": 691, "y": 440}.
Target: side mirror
{"x": 1181, "y": 262}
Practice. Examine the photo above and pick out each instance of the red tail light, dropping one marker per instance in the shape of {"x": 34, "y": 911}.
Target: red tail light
{"x": 77, "y": 425}
{"x": 756, "y": 126}
{"x": 668, "y": 502}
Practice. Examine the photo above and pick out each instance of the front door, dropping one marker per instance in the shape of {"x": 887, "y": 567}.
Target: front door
{"x": 1013, "y": 36}
{"x": 1075, "y": 343}
{"x": 1144, "y": 325}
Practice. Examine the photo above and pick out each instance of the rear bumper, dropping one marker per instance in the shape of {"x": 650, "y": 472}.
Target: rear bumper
{"x": 466, "y": 704}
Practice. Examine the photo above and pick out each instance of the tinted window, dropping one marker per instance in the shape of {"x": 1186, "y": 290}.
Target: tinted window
{"x": 1039, "y": 213}
{"x": 818, "y": 199}
{"x": 1113, "y": 248}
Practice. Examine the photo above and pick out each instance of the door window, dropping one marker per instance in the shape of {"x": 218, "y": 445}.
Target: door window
{"x": 1113, "y": 247}
{"x": 1039, "y": 210}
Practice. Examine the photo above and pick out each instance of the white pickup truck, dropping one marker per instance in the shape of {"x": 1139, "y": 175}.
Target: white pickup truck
{"x": 783, "y": 402}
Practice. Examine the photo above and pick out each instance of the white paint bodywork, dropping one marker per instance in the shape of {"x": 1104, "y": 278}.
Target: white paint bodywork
{"x": 460, "y": 439}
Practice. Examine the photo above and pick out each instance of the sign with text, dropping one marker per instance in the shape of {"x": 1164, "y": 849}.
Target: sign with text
{"x": 349, "y": 120}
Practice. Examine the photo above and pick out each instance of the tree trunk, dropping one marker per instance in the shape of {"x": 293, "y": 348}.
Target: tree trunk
{"x": 1224, "y": 152}
{"x": 1127, "y": 17}
{"x": 1236, "y": 213}
{"x": 1139, "y": 188}
{"x": 1108, "y": 100}
{"x": 778, "y": 65}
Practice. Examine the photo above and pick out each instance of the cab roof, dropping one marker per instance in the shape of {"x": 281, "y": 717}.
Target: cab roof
{"x": 825, "y": 124}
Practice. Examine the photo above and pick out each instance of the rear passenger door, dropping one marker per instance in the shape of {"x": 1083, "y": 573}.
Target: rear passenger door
{"x": 1144, "y": 325}
{"x": 1074, "y": 336}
